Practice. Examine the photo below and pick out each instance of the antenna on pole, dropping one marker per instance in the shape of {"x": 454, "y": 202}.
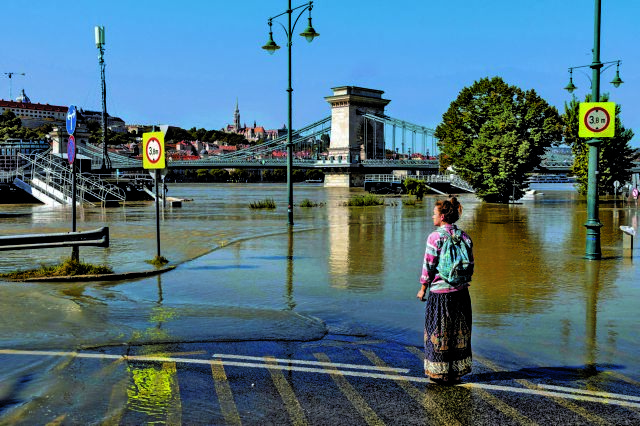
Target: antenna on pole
{"x": 11, "y": 74}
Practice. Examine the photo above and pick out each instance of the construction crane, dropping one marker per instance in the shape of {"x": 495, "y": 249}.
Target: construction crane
{"x": 11, "y": 74}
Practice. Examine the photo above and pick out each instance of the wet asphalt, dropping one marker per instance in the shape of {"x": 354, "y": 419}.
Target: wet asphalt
{"x": 338, "y": 380}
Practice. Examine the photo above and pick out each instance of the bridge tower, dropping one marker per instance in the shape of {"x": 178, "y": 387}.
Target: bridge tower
{"x": 350, "y": 140}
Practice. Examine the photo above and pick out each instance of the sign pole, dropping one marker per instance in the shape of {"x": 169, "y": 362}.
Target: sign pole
{"x": 71, "y": 157}
{"x": 155, "y": 178}
{"x": 154, "y": 159}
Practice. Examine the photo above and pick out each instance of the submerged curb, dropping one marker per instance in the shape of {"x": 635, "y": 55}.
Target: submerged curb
{"x": 100, "y": 277}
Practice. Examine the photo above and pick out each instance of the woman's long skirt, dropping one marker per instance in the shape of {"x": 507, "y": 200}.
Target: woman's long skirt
{"x": 447, "y": 335}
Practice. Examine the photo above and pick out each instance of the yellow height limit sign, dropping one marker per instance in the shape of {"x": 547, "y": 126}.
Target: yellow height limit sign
{"x": 153, "y": 150}
{"x": 597, "y": 119}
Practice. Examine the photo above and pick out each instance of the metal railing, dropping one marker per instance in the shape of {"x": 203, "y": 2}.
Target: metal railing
{"x": 56, "y": 179}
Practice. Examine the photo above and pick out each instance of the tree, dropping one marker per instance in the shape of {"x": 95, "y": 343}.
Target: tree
{"x": 415, "y": 187}
{"x": 493, "y": 134}
{"x": 11, "y": 127}
{"x": 615, "y": 156}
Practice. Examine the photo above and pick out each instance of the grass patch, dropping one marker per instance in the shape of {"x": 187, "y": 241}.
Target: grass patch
{"x": 267, "y": 203}
{"x": 364, "y": 200}
{"x": 411, "y": 201}
{"x": 69, "y": 267}
{"x": 158, "y": 261}
{"x": 308, "y": 203}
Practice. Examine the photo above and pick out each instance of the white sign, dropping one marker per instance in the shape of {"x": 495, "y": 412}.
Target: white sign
{"x": 597, "y": 119}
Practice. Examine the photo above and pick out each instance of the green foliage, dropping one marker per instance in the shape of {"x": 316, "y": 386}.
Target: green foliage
{"x": 219, "y": 175}
{"x": 493, "y": 134}
{"x": 11, "y": 128}
{"x": 614, "y": 156}
{"x": 158, "y": 261}
{"x": 69, "y": 267}
{"x": 308, "y": 203}
{"x": 415, "y": 187}
{"x": 411, "y": 201}
{"x": 314, "y": 174}
{"x": 364, "y": 200}
{"x": 267, "y": 203}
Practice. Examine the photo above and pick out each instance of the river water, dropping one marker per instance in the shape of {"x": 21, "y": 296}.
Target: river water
{"x": 343, "y": 270}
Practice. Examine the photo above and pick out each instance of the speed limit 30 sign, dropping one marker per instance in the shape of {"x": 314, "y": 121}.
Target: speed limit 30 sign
{"x": 597, "y": 119}
{"x": 153, "y": 150}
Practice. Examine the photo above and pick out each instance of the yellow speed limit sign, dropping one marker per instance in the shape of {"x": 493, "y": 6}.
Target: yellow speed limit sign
{"x": 597, "y": 119}
{"x": 153, "y": 150}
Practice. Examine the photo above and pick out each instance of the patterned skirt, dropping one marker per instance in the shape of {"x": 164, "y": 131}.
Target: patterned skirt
{"x": 447, "y": 335}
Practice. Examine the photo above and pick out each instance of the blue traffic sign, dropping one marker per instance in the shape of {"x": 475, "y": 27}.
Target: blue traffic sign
{"x": 71, "y": 149}
{"x": 71, "y": 119}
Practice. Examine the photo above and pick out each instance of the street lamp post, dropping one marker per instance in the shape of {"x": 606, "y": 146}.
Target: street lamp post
{"x": 309, "y": 34}
{"x": 100, "y": 42}
{"x": 593, "y": 249}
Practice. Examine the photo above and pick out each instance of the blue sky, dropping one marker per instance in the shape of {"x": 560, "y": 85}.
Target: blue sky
{"x": 185, "y": 63}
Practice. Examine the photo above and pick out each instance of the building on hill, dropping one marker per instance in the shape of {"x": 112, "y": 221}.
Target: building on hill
{"x": 254, "y": 133}
{"x": 34, "y": 115}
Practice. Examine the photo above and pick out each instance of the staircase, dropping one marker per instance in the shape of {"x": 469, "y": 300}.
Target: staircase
{"x": 49, "y": 180}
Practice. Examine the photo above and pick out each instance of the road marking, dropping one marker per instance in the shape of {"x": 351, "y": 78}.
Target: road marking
{"x": 57, "y": 421}
{"x": 533, "y": 390}
{"x": 296, "y": 414}
{"x": 174, "y": 415}
{"x": 423, "y": 398}
{"x": 500, "y": 405}
{"x": 558, "y": 398}
{"x": 225, "y": 396}
{"x": 318, "y": 363}
{"x": 592, "y": 393}
{"x": 352, "y": 395}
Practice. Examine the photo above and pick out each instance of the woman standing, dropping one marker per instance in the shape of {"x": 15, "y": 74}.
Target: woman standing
{"x": 447, "y": 326}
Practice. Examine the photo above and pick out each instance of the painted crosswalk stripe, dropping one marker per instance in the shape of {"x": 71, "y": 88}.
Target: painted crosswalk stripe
{"x": 352, "y": 395}
{"x": 423, "y": 398}
{"x": 317, "y": 363}
{"x": 532, "y": 389}
{"x": 225, "y": 396}
{"x": 502, "y": 406}
{"x": 591, "y": 393}
{"x": 296, "y": 414}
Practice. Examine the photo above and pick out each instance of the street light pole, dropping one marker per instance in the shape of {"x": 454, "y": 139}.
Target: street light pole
{"x": 593, "y": 250}
{"x": 271, "y": 47}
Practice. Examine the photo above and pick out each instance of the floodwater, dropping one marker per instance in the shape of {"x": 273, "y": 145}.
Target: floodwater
{"x": 343, "y": 270}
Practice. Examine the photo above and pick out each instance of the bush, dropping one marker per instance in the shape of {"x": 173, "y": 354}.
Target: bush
{"x": 267, "y": 203}
{"x": 415, "y": 187}
{"x": 308, "y": 203}
{"x": 158, "y": 261}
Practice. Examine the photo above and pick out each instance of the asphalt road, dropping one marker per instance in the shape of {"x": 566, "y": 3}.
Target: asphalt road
{"x": 338, "y": 380}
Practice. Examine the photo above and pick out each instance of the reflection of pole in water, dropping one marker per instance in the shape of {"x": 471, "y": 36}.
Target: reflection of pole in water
{"x": 159, "y": 290}
{"x": 289, "y": 287}
{"x": 593, "y": 288}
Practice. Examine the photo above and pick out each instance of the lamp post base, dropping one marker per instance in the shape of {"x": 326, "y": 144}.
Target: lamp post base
{"x": 593, "y": 249}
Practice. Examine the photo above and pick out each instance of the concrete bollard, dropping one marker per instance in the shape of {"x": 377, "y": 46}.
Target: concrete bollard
{"x": 628, "y": 232}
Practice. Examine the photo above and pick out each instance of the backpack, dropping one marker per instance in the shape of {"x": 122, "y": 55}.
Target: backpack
{"x": 455, "y": 265}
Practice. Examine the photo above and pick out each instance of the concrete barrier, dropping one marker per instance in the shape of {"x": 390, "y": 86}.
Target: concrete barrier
{"x": 97, "y": 237}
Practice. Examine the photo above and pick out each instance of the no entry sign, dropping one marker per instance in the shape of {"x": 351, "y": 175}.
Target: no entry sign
{"x": 153, "y": 150}
{"x": 597, "y": 119}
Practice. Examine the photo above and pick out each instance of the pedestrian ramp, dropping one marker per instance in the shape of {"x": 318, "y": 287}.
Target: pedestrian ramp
{"x": 50, "y": 181}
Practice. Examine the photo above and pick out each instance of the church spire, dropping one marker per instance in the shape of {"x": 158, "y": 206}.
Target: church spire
{"x": 236, "y": 117}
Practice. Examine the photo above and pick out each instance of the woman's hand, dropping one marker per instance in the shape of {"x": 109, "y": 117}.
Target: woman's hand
{"x": 420, "y": 294}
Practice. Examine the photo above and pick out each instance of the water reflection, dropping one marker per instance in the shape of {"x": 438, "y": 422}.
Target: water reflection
{"x": 289, "y": 301}
{"x": 356, "y": 247}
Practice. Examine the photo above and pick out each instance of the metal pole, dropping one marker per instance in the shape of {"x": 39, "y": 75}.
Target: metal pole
{"x": 75, "y": 251}
{"x": 105, "y": 158}
{"x": 289, "y": 135}
{"x": 593, "y": 249}
{"x": 155, "y": 178}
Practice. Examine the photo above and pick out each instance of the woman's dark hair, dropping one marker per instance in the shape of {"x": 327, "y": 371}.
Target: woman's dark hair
{"x": 451, "y": 209}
